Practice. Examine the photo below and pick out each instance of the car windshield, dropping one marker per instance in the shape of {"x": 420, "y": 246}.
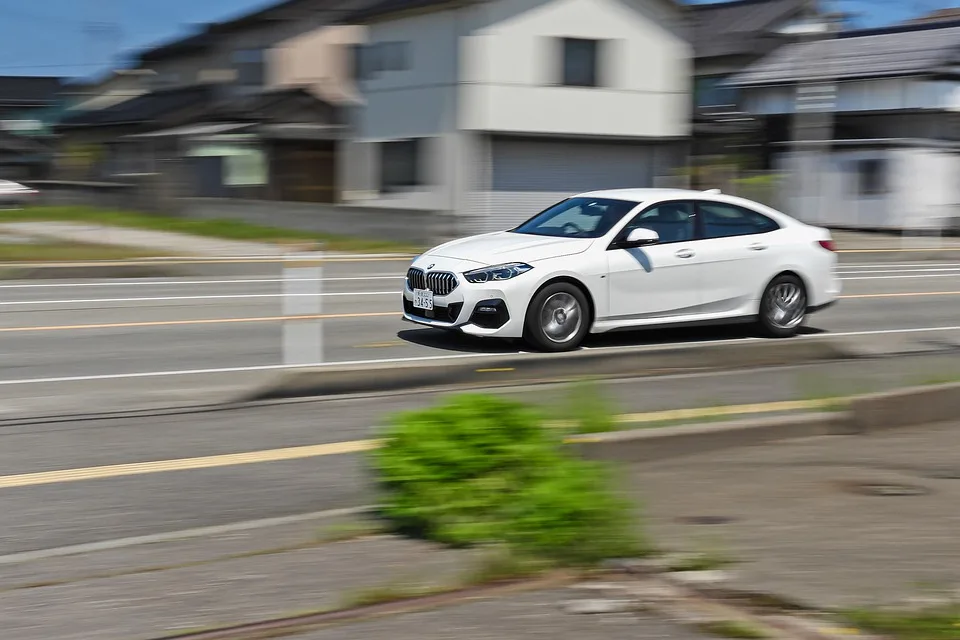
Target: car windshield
{"x": 577, "y": 218}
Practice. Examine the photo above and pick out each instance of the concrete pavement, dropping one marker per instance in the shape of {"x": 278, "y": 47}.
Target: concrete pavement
{"x": 86, "y": 507}
{"x": 833, "y": 522}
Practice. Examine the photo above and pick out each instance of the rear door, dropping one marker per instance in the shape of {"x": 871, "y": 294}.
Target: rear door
{"x": 738, "y": 253}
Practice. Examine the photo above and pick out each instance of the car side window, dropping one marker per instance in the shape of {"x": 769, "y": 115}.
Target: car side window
{"x": 722, "y": 220}
{"x": 673, "y": 222}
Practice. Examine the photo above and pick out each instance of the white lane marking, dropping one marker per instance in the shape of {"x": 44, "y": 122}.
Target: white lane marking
{"x": 927, "y": 275}
{"x": 173, "y": 536}
{"x": 463, "y": 356}
{"x": 891, "y": 265}
{"x": 879, "y": 271}
{"x": 174, "y": 283}
{"x": 241, "y": 296}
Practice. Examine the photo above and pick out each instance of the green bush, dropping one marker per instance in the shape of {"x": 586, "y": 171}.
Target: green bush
{"x": 481, "y": 470}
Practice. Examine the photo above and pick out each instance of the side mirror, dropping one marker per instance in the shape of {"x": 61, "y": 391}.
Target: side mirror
{"x": 640, "y": 238}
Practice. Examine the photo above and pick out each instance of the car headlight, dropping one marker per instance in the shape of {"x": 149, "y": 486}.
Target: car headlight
{"x": 496, "y": 273}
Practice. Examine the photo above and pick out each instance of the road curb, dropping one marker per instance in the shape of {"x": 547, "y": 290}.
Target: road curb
{"x": 898, "y": 409}
{"x": 650, "y": 445}
{"x": 538, "y": 367}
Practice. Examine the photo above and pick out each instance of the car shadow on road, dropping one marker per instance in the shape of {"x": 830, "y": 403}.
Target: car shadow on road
{"x": 454, "y": 341}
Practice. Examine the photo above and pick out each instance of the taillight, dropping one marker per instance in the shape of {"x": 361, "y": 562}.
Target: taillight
{"x": 829, "y": 245}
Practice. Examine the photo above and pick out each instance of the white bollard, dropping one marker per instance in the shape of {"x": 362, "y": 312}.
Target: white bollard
{"x": 303, "y": 328}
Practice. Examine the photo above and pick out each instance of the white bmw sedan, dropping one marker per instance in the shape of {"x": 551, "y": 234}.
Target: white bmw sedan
{"x": 627, "y": 259}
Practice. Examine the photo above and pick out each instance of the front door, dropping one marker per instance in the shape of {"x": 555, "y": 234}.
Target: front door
{"x": 660, "y": 280}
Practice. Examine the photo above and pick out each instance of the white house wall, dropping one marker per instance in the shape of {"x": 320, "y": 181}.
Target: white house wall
{"x": 420, "y": 100}
{"x": 511, "y": 65}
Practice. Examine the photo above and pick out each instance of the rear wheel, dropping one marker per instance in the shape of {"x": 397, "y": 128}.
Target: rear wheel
{"x": 783, "y": 307}
{"x": 557, "y": 318}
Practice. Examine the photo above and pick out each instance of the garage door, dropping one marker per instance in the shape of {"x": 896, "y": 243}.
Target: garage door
{"x": 529, "y": 176}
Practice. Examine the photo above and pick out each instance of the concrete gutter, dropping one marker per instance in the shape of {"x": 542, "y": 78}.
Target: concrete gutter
{"x": 867, "y": 414}
{"x": 531, "y": 368}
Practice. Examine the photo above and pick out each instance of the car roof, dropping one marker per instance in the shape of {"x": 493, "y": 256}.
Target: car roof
{"x": 646, "y": 195}
{"x": 656, "y": 195}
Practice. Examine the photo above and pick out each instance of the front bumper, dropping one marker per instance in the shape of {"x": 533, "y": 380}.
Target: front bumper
{"x": 480, "y": 310}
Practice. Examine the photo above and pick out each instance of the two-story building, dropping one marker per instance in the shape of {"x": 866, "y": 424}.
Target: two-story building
{"x": 884, "y": 148}
{"x": 495, "y": 110}
{"x": 232, "y": 110}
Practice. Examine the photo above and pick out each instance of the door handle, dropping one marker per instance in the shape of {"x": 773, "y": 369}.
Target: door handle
{"x": 758, "y": 246}
{"x": 685, "y": 253}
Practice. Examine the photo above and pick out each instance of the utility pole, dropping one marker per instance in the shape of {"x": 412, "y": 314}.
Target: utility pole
{"x": 103, "y": 32}
{"x": 814, "y": 104}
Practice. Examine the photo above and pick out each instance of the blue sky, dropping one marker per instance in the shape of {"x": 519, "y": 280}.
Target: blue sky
{"x": 54, "y": 37}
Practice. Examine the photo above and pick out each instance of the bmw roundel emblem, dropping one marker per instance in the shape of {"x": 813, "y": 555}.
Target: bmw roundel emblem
{"x": 431, "y": 267}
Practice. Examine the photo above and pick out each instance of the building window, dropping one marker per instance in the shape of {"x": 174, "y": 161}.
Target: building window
{"x": 164, "y": 80}
{"x": 250, "y": 67}
{"x": 399, "y": 165}
{"x": 372, "y": 59}
{"x": 710, "y": 91}
{"x": 580, "y": 63}
{"x": 872, "y": 177}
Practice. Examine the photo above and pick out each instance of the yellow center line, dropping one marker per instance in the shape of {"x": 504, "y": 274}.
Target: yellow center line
{"x": 497, "y": 370}
{"x": 356, "y": 446}
{"x": 174, "y": 323}
{"x": 382, "y": 345}
{"x": 207, "y": 462}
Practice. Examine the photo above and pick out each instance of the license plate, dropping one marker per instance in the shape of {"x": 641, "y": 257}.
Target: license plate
{"x": 423, "y": 299}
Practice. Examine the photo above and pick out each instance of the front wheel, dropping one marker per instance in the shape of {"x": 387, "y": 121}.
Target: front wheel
{"x": 557, "y": 318}
{"x": 783, "y": 307}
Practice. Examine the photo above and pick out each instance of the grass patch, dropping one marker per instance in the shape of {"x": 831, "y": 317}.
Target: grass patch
{"x": 587, "y": 409}
{"x": 225, "y": 229}
{"x": 932, "y": 624}
{"x": 67, "y": 252}
{"x": 344, "y": 531}
{"x": 710, "y": 560}
{"x": 503, "y": 565}
{"x": 734, "y": 629}
{"x": 387, "y": 593}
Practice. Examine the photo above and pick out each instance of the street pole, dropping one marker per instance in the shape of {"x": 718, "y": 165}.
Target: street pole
{"x": 812, "y": 134}
{"x": 302, "y": 306}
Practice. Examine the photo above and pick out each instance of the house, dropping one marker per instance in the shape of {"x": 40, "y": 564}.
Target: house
{"x": 495, "y": 110}
{"x": 28, "y": 105}
{"x": 727, "y": 38}
{"x": 886, "y": 147}
{"x": 228, "y": 111}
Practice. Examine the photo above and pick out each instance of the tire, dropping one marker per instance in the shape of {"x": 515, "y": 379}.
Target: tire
{"x": 558, "y": 318}
{"x": 783, "y": 307}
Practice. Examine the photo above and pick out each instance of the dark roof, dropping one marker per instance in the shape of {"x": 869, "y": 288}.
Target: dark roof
{"x": 206, "y": 36}
{"x": 942, "y": 15}
{"x": 741, "y": 27}
{"x": 370, "y": 9}
{"x": 270, "y": 106}
{"x": 873, "y": 53}
{"x": 29, "y": 90}
{"x": 147, "y": 108}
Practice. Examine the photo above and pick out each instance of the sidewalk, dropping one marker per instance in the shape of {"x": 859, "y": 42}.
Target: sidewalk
{"x": 168, "y": 243}
{"x": 831, "y": 522}
{"x": 161, "y": 589}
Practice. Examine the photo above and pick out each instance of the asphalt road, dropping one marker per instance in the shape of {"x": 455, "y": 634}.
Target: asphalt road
{"x": 60, "y": 486}
{"x": 157, "y": 342}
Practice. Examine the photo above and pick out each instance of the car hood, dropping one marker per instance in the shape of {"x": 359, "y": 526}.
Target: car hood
{"x": 503, "y": 246}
